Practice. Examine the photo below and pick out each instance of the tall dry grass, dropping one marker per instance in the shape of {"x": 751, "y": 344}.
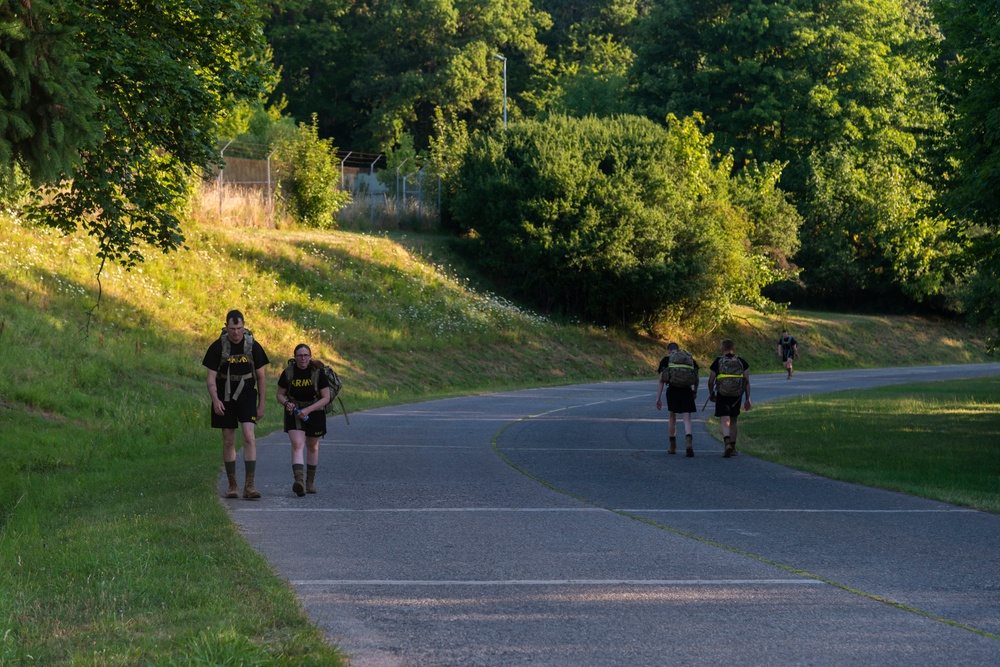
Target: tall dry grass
{"x": 229, "y": 205}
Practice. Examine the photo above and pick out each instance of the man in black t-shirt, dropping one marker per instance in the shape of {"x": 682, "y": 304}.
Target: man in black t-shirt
{"x": 788, "y": 349}
{"x": 236, "y": 383}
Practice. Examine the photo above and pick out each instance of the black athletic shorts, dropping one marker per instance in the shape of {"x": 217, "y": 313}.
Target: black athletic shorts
{"x": 238, "y": 412}
{"x": 728, "y": 406}
{"x": 315, "y": 427}
{"x": 680, "y": 400}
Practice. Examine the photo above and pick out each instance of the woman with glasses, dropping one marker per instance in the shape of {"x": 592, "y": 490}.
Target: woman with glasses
{"x": 303, "y": 391}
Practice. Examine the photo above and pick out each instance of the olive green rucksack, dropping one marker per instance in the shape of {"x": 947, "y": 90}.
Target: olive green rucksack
{"x": 680, "y": 370}
{"x": 729, "y": 379}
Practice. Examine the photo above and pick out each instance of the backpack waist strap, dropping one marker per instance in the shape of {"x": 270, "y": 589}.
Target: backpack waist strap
{"x": 230, "y": 394}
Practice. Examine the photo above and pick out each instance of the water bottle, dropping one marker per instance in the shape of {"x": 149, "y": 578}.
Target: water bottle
{"x": 298, "y": 413}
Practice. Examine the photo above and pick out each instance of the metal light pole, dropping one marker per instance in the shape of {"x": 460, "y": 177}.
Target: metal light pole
{"x": 504, "y": 60}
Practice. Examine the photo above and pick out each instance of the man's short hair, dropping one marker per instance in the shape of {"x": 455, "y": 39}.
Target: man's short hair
{"x": 673, "y": 346}
{"x": 234, "y": 316}
{"x": 728, "y": 345}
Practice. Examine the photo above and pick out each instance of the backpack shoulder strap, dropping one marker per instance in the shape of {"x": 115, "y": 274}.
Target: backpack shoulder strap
{"x": 248, "y": 346}
{"x": 226, "y": 346}
{"x": 317, "y": 371}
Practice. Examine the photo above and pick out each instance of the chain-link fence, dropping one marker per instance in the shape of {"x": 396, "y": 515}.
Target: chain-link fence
{"x": 408, "y": 197}
{"x": 248, "y": 175}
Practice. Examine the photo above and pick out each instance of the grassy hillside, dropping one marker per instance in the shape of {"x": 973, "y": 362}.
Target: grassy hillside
{"x": 114, "y": 549}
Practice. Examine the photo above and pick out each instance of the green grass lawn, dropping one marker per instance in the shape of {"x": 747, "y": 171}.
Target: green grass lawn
{"x": 938, "y": 440}
{"x": 114, "y": 547}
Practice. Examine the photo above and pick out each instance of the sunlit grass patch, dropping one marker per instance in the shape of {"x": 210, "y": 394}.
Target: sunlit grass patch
{"x": 936, "y": 440}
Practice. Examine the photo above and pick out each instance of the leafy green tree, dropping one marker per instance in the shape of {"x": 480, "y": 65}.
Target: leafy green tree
{"x": 47, "y": 100}
{"x": 872, "y": 221}
{"x": 448, "y": 143}
{"x": 617, "y": 220}
{"x": 814, "y": 84}
{"x": 163, "y": 73}
{"x": 255, "y": 119}
{"x": 775, "y": 223}
{"x": 375, "y": 70}
{"x": 598, "y": 83}
{"x": 590, "y": 41}
{"x": 573, "y": 20}
{"x": 972, "y": 78}
{"x": 318, "y": 51}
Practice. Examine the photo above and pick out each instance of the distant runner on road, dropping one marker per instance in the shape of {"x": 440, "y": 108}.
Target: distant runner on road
{"x": 788, "y": 349}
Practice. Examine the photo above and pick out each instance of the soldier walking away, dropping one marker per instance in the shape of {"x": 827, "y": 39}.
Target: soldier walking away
{"x": 236, "y": 383}
{"x": 788, "y": 349}
{"x": 304, "y": 392}
{"x": 728, "y": 383}
{"x": 679, "y": 372}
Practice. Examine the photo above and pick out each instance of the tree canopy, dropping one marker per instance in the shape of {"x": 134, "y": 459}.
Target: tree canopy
{"x": 844, "y": 92}
{"x": 47, "y": 101}
{"x": 377, "y": 69}
{"x": 972, "y": 80}
{"x": 151, "y": 79}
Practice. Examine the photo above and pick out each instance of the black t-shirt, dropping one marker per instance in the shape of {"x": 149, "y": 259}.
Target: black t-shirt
{"x": 299, "y": 387}
{"x": 787, "y": 345}
{"x": 236, "y": 364}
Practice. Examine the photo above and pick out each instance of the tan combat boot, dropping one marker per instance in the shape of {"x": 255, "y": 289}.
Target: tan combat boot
{"x": 234, "y": 489}
{"x": 310, "y": 478}
{"x": 297, "y": 487}
{"x": 248, "y": 489}
{"x": 673, "y": 446}
{"x": 688, "y": 446}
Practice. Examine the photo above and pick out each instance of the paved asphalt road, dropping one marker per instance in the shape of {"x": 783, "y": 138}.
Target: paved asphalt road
{"x": 549, "y": 527}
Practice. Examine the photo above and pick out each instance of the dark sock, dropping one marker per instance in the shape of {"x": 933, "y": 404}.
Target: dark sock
{"x": 310, "y": 467}
{"x": 297, "y": 467}
{"x": 230, "y": 467}
{"x": 250, "y": 467}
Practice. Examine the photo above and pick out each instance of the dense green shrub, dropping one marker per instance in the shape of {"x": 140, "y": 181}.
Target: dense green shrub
{"x": 311, "y": 184}
{"x": 621, "y": 220}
